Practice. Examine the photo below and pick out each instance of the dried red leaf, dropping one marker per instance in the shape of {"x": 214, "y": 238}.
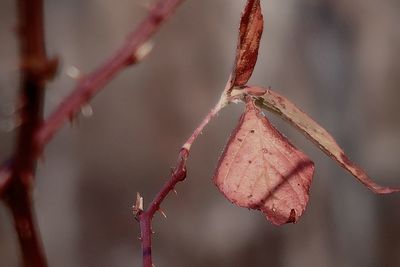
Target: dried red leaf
{"x": 317, "y": 134}
{"x": 260, "y": 169}
{"x": 250, "y": 31}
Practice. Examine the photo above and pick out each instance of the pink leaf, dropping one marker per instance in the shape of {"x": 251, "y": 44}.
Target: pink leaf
{"x": 250, "y": 31}
{"x": 260, "y": 169}
{"x": 288, "y": 111}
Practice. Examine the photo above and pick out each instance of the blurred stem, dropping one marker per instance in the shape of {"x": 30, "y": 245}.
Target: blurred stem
{"x": 19, "y": 201}
{"x": 16, "y": 175}
{"x": 35, "y": 68}
{"x": 128, "y": 54}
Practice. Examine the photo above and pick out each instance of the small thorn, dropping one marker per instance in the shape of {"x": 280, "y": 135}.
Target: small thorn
{"x": 163, "y": 213}
{"x": 143, "y": 51}
{"x": 87, "y": 110}
{"x": 50, "y": 67}
{"x": 186, "y": 146}
{"x": 73, "y": 72}
{"x": 140, "y": 238}
{"x": 153, "y": 232}
{"x": 176, "y": 192}
{"x": 71, "y": 118}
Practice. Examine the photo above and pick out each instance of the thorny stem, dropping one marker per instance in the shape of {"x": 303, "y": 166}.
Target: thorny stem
{"x": 178, "y": 174}
{"x": 96, "y": 80}
{"x": 35, "y": 69}
{"x": 16, "y": 175}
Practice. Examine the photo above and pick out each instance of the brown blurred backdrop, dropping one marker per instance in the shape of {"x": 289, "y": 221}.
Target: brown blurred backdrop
{"x": 338, "y": 60}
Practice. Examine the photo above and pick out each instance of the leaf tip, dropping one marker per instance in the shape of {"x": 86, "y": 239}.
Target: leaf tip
{"x": 250, "y": 32}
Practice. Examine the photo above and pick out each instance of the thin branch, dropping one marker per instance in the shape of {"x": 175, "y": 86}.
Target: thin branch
{"x": 35, "y": 69}
{"x": 178, "y": 174}
{"x": 145, "y": 218}
{"x": 95, "y": 81}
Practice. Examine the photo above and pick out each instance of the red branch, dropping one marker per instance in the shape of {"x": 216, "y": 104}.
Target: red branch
{"x": 35, "y": 69}
{"x": 16, "y": 175}
{"x": 178, "y": 174}
{"x": 145, "y": 218}
{"x": 93, "y": 82}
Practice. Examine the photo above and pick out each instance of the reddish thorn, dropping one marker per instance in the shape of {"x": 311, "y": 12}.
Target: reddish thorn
{"x": 163, "y": 213}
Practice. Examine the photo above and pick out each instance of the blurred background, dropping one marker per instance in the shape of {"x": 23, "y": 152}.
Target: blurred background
{"x": 338, "y": 60}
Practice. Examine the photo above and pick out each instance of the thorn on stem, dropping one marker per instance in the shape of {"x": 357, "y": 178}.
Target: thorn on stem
{"x": 143, "y": 51}
{"x": 163, "y": 213}
{"x": 73, "y": 72}
{"x": 52, "y": 68}
{"x": 137, "y": 208}
{"x": 139, "y": 238}
{"x": 71, "y": 117}
{"x": 176, "y": 192}
{"x": 87, "y": 110}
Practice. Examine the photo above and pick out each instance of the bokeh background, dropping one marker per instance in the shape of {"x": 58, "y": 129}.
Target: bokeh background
{"x": 338, "y": 60}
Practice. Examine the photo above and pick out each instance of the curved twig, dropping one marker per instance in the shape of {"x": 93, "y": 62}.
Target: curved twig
{"x": 178, "y": 174}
